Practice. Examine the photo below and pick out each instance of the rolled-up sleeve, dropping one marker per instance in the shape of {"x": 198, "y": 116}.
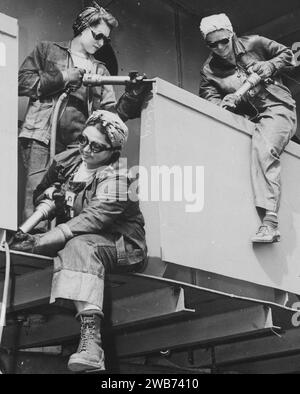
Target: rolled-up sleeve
{"x": 279, "y": 55}
{"x": 34, "y": 80}
{"x": 208, "y": 91}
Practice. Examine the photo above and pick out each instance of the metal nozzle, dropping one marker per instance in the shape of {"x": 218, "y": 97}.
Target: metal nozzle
{"x": 41, "y": 213}
{"x": 98, "y": 80}
{"x": 252, "y": 81}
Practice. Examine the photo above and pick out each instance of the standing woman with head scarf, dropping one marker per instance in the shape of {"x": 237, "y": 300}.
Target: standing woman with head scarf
{"x": 270, "y": 105}
{"x": 47, "y": 72}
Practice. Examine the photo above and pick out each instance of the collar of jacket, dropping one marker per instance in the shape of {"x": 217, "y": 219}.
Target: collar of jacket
{"x": 66, "y": 45}
{"x": 238, "y": 46}
{"x": 221, "y": 67}
{"x": 70, "y": 159}
{"x": 67, "y": 162}
{"x": 239, "y": 50}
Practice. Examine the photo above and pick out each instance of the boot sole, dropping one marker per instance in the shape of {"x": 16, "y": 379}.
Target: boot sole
{"x": 261, "y": 241}
{"x": 81, "y": 366}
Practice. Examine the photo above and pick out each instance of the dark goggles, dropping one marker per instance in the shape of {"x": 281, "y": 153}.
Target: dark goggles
{"x": 94, "y": 146}
{"x": 100, "y": 36}
{"x": 224, "y": 41}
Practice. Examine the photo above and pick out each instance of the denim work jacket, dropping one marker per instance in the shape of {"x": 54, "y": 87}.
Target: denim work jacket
{"x": 102, "y": 206}
{"x": 41, "y": 79}
{"x": 219, "y": 78}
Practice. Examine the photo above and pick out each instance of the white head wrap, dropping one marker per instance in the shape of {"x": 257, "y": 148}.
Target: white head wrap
{"x": 212, "y": 23}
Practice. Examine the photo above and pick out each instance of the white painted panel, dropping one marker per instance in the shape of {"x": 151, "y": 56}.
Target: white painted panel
{"x": 9, "y": 121}
{"x": 184, "y": 130}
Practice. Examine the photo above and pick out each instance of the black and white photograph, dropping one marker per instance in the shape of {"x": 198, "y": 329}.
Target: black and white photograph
{"x": 150, "y": 190}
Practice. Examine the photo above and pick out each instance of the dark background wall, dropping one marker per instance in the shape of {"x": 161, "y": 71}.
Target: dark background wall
{"x": 158, "y": 37}
{"x": 40, "y": 20}
{"x": 145, "y": 40}
{"x": 152, "y": 38}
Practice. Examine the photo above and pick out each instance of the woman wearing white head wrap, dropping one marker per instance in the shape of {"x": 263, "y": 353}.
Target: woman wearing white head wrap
{"x": 213, "y": 23}
{"x": 101, "y": 230}
{"x": 270, "y": 105}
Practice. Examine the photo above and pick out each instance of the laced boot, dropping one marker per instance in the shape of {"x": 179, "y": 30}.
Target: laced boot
{"x": 268, "y": 232}
{"x": 89, "y": 355}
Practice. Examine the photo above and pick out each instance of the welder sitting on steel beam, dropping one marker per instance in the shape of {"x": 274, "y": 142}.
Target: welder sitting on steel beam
{"x": 102, "y": 229}
{"x": 270, "y": 105}
{"x": 47, "y": 72}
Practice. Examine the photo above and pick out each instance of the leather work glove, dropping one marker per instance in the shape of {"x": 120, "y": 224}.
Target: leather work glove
{"x": 264, "y": 69}
{"x": 54, "y": 193}
{"x": 230, "y": 101}
{"x": 45, "y": 244}
{"x": 73, "y": 78}
{"x": 136, "y": 87}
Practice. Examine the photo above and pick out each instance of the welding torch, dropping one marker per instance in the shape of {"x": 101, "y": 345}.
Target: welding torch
{"x": 252, "y": 81}
{"x": 99, "y": 80}
{"x": 46, "y": 207}
{"x": 91, "y": 80}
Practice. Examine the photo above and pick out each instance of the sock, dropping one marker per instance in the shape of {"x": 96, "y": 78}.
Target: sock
{"x": 272, "y": 213}
{"x": 84, "y": 308}
{"x": 271, "y": 219}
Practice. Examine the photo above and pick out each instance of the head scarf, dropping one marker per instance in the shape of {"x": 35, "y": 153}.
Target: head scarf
{"x": 213, "y": 23}
{"x": 84, "y": 19}
{"x": 112, "y": 126}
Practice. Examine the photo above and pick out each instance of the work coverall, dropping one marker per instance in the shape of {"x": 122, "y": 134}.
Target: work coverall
{"x": 106, "y": 233}
{"x": 270, "y": 106}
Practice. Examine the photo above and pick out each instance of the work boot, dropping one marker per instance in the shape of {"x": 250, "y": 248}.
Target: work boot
{"x": 89, "y": 355}
{"x": 267, "y": 234}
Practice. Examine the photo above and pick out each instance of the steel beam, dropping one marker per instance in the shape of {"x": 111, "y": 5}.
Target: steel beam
{"x": 220, "y": 283}
{"x": 29, "y": 290}
{"x": 153, "y": 306}
{"x": 32, "y": 276}
{"x": 282, "y": 365}
{"x": 219, "y": 328}
{"x": 157, "y": 306}
{"x": 271, "y": 347}
{"x": 257, "y": 349}
{"x": 24, "y": 262}
{"x": 56, "y": 330}
{"x": 33, "y": 289}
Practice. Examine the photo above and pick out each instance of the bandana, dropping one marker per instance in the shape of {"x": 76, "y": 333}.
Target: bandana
{"x": 83, "y": 20}
{"x": 212, "y": 23}
{"x": 112, "y": 125}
